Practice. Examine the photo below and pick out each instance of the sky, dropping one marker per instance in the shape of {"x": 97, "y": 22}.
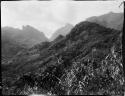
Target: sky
{"x": 48, "y": 16}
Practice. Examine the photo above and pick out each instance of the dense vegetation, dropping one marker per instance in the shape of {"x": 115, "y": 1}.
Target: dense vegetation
{"x": 86, "y": 61}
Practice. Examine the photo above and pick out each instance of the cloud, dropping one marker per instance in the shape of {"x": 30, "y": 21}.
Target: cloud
{"x": 48, "y": 16}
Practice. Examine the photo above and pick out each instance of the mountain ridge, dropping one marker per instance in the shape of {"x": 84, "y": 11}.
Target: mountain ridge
{"x": 18, "y": 39}
{"x": 111, "y": 20}
{"x": 61, "y": 31}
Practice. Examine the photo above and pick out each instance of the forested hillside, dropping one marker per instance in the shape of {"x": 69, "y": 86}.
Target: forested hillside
{"x": 87, "y": 61}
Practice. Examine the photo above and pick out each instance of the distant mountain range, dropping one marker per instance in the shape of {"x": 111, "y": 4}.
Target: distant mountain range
{"x": 28, "y": 36}
{"x": 111, "y": 20}
{"x": 16, "y": 39}
{"x": 62, "y": 31}
{"x": 13, "y": 39}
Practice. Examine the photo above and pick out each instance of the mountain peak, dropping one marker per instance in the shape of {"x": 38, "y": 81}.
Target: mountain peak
{"x": 29, "y": 28}
{"x": 28, "y": 35}
{"x": 62, "y": 31}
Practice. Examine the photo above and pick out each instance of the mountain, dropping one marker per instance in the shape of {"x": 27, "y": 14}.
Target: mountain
{"x": 62, "y": 31}
{"x": 87, "y": 61}
{"x": 14, "y": 40}
{"x": 32, "y": 36}
{"x": 111, "y": 20}
{"x": 28, "y": 36}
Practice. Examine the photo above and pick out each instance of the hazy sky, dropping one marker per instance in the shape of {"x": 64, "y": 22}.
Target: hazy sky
{"x": 48, "y": 16}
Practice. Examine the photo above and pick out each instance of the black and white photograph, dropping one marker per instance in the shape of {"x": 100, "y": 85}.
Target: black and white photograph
{"x": 62, "y": 47}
